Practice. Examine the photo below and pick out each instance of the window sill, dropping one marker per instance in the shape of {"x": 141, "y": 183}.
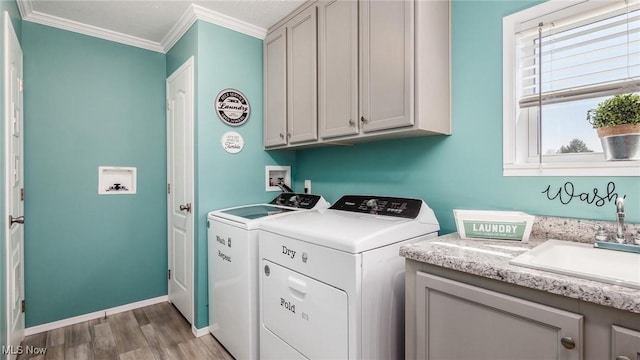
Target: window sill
{"x": 602, "y": 168}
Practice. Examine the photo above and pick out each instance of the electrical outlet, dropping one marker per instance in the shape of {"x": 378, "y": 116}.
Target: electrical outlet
{"x": 307, "y": 186}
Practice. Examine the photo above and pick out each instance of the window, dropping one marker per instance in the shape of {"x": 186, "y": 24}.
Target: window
{"x": 560, "y": 59}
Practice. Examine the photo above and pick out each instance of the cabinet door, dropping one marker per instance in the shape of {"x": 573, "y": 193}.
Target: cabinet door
{"x": 302, "y": 79}
{"x": 338, "y": 67}
{"x": 275, "y": 88}
{"x": 460, "y": 321}
{"x": 386, "y": 64}
{"x": 625, "y": 344}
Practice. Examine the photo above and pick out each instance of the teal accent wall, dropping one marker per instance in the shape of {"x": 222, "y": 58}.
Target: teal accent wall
{"x": 224, "y": 59}
{"x": 183, "y": 49}
{"x": 463, "y": 170}
{"x": 12, "y": 9}
{"x": 91, "y": 102}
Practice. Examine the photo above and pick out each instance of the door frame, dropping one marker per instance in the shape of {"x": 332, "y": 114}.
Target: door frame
{"x": 10, "y": 35}
{"x": 187, "y": 66}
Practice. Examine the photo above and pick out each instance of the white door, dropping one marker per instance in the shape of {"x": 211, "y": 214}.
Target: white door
{"x": 180, "y": 187}
{"x": 14, "y": 184}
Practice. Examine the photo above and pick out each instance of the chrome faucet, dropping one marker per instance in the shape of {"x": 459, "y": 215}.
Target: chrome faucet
{"x": 620, "y": 243}
{"x": 620, "y": 229}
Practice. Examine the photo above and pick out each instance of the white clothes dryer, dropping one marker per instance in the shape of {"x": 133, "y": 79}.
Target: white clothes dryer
{"x": 233, "y": 268}
{"x": 332, "y": 281}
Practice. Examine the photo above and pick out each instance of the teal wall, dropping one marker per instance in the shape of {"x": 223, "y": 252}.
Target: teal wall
{"x": 463, "y": 170}
{"x": 12, "y": 8}
{"x": 224, "y": 59}
{"x": 91, "y": 102}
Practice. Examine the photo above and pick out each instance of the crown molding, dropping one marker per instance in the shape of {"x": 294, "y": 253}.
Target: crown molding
{"x": 90, "y": 30}
{"x": 190, "y": 16}
{"x": 178, "y": 30}
{"x": 197, "y": 12}
{"x": 25, "y": 7}
{"x": 229, "y": 22}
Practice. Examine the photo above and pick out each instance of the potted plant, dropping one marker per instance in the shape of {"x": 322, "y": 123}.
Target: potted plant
{"x": 617, "y": 120}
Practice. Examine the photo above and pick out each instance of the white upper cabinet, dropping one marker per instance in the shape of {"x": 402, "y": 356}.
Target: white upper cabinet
{"x": 291, "y": 82}
{"x": 386, "y": 64}
{"x": 338, "y": 68}
{"x": 302, "y": 78}
{"x": 275, "y": 88}
{"x": 362, "y": 70}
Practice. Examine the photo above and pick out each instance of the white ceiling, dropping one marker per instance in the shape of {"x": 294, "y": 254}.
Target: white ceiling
{"x": 154, "y": 24}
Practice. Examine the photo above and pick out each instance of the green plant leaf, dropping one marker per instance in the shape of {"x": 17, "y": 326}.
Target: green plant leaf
{"x": 616, "y": 110}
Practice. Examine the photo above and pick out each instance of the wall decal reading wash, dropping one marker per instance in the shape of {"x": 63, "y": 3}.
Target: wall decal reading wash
{"x": 232, "y": 107}
{"x": 567, "y": 192}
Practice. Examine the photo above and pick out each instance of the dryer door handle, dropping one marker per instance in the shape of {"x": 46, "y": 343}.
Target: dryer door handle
{"x": 298, "y": 287}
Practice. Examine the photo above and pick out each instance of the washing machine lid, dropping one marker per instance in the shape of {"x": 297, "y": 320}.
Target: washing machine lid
{"x": 355, "y": 223}
{"x": 250, "y": 215}
{"x": 252, "y": 212}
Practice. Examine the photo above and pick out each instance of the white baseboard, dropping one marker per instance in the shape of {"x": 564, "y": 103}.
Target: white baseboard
{"x": 199, "y": 332}
{"x": 94, "y": 315}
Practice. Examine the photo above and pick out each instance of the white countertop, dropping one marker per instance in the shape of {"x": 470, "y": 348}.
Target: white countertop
{"x": 490, "y": 259}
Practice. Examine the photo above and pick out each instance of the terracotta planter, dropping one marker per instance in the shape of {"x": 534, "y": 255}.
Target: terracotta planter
{"x": 620, "y": 142}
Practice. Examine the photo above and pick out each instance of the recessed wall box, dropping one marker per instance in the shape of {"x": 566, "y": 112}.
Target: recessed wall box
{"x": 116, "y": 180}
{"x": 276, "y": 174}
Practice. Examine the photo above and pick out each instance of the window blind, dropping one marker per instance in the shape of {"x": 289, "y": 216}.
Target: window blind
{"x": 591, "y": 55}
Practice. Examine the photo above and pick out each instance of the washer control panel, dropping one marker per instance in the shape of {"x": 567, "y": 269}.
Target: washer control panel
{"x": 295, "y": 200}
{"x": 379, "y": 205}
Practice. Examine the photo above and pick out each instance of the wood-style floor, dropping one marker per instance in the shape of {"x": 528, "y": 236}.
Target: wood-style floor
{"x": 155, "y": 332}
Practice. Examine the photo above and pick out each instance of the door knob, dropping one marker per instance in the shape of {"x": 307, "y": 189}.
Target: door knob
{"x": 16, "y": 220}
{"x": 186, "y": 207}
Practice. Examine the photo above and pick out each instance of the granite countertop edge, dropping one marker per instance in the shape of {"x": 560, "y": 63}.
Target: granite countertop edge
{"x": 490, "y": 259}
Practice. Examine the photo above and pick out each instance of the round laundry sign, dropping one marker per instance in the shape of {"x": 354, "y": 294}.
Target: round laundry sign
{"x": 232, "y": 142}
{"x": 232, "y": 107}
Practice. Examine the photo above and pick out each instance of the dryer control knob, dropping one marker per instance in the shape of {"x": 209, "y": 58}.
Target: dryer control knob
{"x": 372, "y": 203}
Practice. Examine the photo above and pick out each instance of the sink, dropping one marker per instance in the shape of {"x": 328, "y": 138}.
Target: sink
{"x": 584, "y": 261}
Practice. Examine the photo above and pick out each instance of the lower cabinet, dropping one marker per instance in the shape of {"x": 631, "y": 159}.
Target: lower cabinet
{"x": 461, "y": 321}
{"x": 454, "y": 315}
{"x": 625, "y": 343}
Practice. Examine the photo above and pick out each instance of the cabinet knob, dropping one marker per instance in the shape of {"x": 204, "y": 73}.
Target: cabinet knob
{"x": 281, "y": 136}
{"x": 288, "y": 136}
{"x": 622, "y": 357}
{"x": 363, "y": 119}
{"x": 568, "y": 343}
{"x": 352, "y": 123}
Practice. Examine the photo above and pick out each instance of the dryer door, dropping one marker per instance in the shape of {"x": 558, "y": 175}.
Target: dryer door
{"x": 309, "y": 315}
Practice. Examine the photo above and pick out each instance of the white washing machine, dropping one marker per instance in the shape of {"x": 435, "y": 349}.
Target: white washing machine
{"x": 332, "y": 281}
{"x": 233, "y": 268}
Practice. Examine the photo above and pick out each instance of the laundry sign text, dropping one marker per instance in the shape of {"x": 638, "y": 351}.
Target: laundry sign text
{"x": 494, "y": 230}
{"x": 493, "y": 224}
{"x": 232, "y": 107}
